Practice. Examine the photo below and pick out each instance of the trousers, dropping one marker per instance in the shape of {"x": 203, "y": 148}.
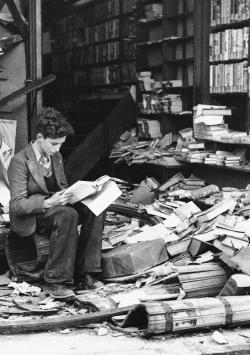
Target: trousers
{"x": 71, "y": 254}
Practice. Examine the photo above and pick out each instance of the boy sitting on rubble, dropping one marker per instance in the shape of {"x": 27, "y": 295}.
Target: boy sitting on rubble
{"x": 38, "y": 207}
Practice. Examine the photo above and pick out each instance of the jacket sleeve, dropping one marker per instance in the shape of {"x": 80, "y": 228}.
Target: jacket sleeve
{"x": 21, "y": 203}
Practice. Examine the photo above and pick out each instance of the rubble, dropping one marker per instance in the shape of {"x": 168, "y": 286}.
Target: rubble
{"x": 200, "y": 235}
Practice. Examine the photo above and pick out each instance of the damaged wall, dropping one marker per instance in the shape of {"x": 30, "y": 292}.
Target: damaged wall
{"x": 12, "y": 63}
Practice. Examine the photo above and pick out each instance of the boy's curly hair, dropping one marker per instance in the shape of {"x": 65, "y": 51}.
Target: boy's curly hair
{"x": 53, "y": 124}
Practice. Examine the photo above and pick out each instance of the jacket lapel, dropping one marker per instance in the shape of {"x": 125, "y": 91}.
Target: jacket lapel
{"x": 34, "y": 168}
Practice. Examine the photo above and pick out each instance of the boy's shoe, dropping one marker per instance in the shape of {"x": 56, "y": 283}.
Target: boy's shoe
{"x": 58, "y": 291}
{"x": 88, "y": 282}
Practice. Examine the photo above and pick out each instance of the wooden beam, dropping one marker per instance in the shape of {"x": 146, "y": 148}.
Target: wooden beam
{"x": 2, "y": 3}
{"x": 18, "y": 19}
{"x": 37, "y": 85}
{"x": 34, "y": 62}
{"x": 57, "y": 322}
{"x": 9, "y": 41}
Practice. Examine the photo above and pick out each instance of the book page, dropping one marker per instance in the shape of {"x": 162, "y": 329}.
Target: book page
{"x": 103, "y": 198}
{"x": 80, "y": 190}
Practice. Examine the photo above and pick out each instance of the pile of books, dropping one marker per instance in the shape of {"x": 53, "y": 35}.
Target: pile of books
{"x": 209, "y": 124}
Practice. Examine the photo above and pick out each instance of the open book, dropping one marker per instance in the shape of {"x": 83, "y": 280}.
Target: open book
{"x": 96, "y": 195}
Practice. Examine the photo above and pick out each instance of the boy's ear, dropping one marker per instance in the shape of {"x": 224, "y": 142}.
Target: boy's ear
{"x": 39, "y": 136}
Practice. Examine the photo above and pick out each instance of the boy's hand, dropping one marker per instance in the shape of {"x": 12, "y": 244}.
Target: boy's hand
{"x": 60, "y": 198}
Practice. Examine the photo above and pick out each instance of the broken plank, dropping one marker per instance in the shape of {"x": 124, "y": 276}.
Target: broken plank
{"x": 37, "y": 85}
{"x": 8, "y": 41}
{"x": 57, "y": 322}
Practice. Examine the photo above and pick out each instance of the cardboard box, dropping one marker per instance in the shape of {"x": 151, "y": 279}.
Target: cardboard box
{"x": 134, "y": 258}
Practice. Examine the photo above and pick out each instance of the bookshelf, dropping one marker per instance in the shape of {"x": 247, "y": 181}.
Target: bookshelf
{"x": 178, "y": 47}
{"x": 93, "y": 45}
{"x": 149, "y": 38}
{"x": 93, "y": 54}
{"x": 229, "y": 59}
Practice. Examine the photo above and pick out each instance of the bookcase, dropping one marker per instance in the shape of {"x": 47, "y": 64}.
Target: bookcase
{"x": 93, "y": 55}
{"x": 178, "y": 47}
{"x": 165, "y": 48}
{"x": 229, "y": 58}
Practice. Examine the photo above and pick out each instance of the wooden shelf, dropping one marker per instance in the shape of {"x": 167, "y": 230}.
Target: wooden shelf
{"x": 177, "y": 61}
{"x": 222, "y": 142}
{"x": 229, "y": 93}
{"x": 146, "y": 21}
{"x": 102, "y": 42}
{"x": 178, "y": 39}
{"x": 235, "y": 168}
{"x": 225, "y": 26}
{"x": 183, "y": 15}
{"x": 150, "y": 43}
{"x": 228, "y": 61}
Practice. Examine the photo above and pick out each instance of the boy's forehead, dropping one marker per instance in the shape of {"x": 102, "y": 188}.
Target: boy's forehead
{"x": 56, "y": 140}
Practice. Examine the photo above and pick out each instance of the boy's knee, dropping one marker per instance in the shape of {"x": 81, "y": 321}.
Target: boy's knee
{"x": 67, "y": 214}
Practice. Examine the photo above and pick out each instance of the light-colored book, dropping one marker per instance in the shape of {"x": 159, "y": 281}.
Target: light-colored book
{"x": 96, "y": 195}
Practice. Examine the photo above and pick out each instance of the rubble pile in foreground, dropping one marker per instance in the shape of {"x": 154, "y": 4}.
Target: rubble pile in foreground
{"x": 175, "y": 258}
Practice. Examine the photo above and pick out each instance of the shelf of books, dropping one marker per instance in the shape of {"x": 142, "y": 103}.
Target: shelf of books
{"x": 165, "y": 78}
{"x": 93, "y": 45}
{"x": 212, "y": 143}
{"x": 229, "y": 58}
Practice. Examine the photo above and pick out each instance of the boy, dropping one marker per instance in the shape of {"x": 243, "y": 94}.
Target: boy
{"x": 37, "y": 180}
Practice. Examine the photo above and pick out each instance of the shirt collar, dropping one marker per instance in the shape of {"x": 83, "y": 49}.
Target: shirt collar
{"x": 36, "y": 151}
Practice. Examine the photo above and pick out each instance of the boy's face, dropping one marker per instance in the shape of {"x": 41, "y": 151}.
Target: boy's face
{"x": 49, "y": 146}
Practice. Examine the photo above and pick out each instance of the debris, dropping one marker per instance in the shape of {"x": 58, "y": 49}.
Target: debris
{"x": 65, "y": 331}
{"x": 102, "y": 331}
{"x": 189, "y": 314}
{"x": 25, "y": 289}
{"x": 219, "y": 338}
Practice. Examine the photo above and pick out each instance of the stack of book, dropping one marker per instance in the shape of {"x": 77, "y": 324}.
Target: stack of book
{"x": 172, "y": 103}
{"x": 223, "y": 158}
{"x": 153, "y": 11}
{"x": 208, "y": 122}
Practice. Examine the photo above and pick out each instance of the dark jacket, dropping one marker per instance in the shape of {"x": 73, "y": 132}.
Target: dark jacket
{"x": 28, "y": 189}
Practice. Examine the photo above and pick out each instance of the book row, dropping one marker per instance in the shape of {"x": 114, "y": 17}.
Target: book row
{"x": 228, "y": 11}
{"x": 128, "y": 71}
{"x": 105, "y": 75}
{"x": 96, "y": 54}
{"x": 227, "y": 78}
{"x": 128, "y": 6}
{"x": 97, "y": 13}
{"x": 129, "y": 50}
{"x": 229, "y": 44}
{"x": 102, "y": 32}
{"x": 98, "y": 76}
{"x": 166, "y": 103}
